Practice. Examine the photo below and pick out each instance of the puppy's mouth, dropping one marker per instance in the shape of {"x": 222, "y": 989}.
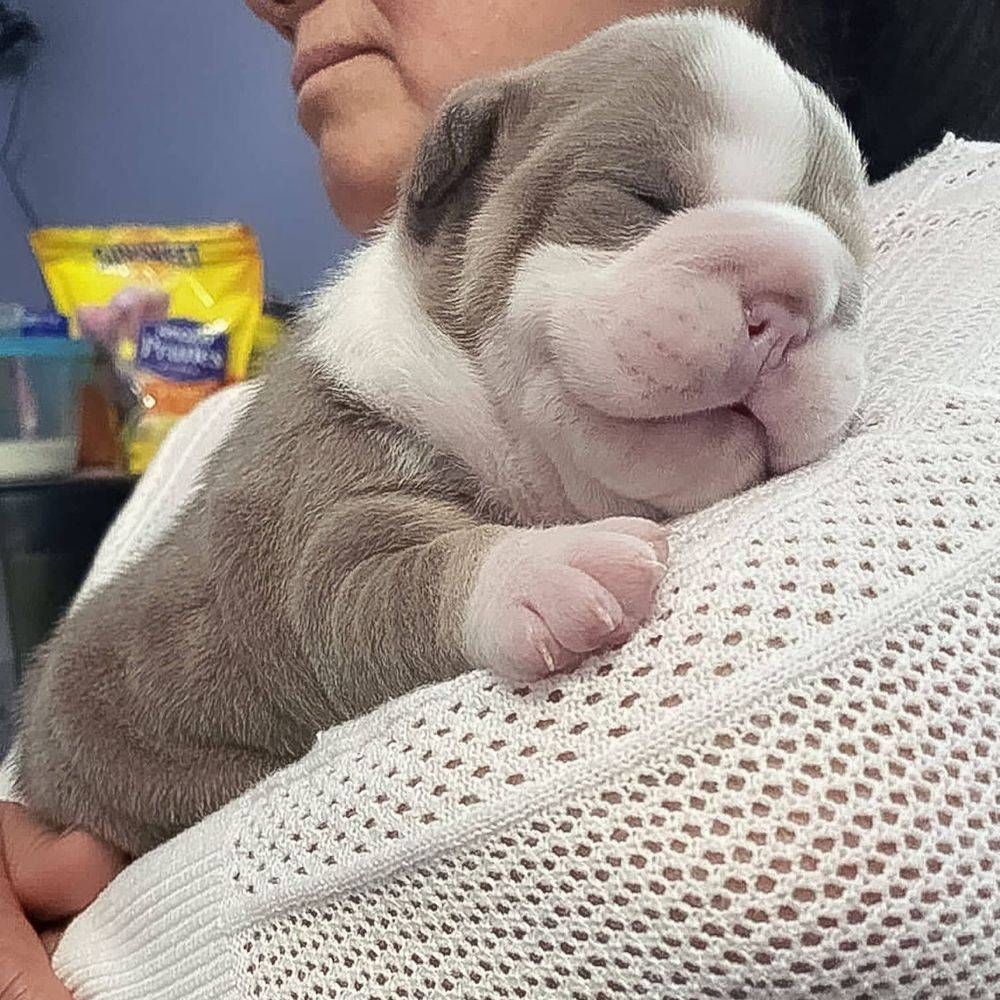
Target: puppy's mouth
{"x": 659, "y": 420}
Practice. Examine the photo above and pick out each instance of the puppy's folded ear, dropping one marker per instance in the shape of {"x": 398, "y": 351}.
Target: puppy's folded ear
{"x": 460, "y": 140}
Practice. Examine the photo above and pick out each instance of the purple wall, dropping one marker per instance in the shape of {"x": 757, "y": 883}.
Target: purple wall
{"x": 155, "y": 111}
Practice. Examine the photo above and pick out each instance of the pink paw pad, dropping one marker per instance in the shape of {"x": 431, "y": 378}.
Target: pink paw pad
{"x": 546, "y": 599}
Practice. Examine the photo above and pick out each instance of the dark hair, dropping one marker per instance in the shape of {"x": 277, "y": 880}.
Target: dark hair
{"x": 905, "y": 72}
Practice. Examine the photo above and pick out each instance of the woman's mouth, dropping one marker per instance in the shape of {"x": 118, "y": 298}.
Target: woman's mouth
{"x": 314, "y": 60}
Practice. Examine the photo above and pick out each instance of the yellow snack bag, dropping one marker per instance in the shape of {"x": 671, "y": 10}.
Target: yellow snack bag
{"x": 121, "y": 284}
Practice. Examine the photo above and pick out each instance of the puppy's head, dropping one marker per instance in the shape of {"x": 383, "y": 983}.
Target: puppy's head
{"x": 650, "y": 245}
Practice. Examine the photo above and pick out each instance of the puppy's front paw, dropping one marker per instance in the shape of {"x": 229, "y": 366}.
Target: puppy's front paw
{"x": 545, "y": 599}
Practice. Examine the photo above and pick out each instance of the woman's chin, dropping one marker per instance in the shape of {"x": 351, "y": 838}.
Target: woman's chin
{"x": 360, "y": 173}
{"x": 359, "y": 204}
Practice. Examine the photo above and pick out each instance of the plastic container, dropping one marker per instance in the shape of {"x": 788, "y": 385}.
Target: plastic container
{"x": 11, "y": 317}
{"x": 40, "y": 382}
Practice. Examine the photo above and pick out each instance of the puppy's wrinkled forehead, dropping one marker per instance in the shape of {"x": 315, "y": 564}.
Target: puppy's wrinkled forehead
{"x": 615, "y": 110}
{"x": 596, "y": 145}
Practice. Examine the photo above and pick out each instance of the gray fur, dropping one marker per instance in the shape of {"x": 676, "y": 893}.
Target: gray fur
{"x": 320, "y": 570}
{"x": 324, "y": 563}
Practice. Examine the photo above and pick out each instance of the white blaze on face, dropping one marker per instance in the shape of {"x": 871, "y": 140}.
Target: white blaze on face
{"x": 761, "y": 150}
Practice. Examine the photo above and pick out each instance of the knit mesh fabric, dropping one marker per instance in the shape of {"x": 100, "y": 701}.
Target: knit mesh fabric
{"x": 787, "y": 786}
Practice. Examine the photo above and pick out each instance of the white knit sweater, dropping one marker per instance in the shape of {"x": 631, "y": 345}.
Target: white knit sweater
{"x": 787, "y": 786}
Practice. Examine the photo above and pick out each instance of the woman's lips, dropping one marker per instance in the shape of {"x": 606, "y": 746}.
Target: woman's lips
{"x": 311, "y": 61}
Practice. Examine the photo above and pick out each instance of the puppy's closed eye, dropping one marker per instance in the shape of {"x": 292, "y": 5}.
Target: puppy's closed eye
{"x": 658, "y": 203}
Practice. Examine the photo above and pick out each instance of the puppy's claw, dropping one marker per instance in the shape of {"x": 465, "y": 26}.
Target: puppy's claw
{"x": 604, "y": 616}
{"x": 543, "y": 650}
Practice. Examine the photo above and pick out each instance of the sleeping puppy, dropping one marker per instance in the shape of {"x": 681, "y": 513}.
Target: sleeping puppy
{"x": 621, "y": 284}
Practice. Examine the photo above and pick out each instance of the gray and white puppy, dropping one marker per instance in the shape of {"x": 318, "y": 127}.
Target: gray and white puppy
{"x": 621, "y": 284}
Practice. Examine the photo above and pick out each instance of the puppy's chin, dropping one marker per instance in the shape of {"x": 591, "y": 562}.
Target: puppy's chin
{"x": 807, "y": 403}
{"x": 663, "y": 467}
{"x": 682, "y": 464}
{"x": 627, "y": 462}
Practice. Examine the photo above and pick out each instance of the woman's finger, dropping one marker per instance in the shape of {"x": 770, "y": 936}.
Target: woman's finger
{"x": 53, "y": 875}
{"x": 24, "y": 965}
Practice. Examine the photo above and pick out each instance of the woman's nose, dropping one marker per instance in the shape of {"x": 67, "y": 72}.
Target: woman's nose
{"x": 283, "y": 15}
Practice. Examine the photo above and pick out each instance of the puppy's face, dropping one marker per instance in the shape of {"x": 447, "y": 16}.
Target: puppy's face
{"x": 650, "y": 245}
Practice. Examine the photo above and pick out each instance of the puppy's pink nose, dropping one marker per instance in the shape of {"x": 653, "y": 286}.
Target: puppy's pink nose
{"x": 774, "y": 328}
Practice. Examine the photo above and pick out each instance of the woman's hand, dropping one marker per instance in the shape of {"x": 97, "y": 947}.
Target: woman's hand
{"x": 46, "y": 878}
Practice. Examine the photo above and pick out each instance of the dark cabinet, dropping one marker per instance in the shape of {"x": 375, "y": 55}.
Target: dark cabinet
{"x": 49, "y": 534}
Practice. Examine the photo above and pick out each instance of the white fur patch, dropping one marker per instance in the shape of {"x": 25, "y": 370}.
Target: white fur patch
{"x": 761, "y": 151}
{"x": 373, "y": 337}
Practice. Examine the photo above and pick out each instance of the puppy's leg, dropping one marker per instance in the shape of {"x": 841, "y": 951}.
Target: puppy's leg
{"x": 443, "y": 594}
{"x": 138, "y": 732}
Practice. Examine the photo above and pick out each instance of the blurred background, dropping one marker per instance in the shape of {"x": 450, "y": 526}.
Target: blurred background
{"x": 183, "y": 143}
{"x": 131, "y": 112}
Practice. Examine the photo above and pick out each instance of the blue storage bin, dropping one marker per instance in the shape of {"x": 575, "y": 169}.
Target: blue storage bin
{"x": 40, "y": 382}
